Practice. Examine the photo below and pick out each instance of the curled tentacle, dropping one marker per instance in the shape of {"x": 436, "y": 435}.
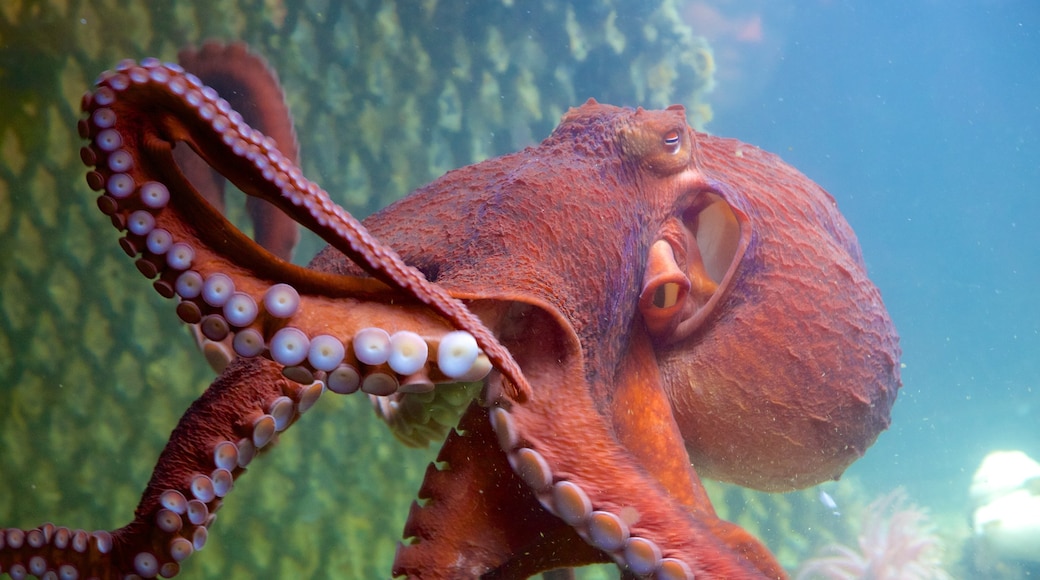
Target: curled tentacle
{"x": 252, "y": 89}
{"x": 239, "y": 417}
{"x": 550, "y": 507}
{"x": 135, "y": 117}
{"x": 297, "y": 332}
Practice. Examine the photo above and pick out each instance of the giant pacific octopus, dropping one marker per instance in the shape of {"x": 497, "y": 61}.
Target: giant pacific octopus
{"x": 589, "y": 325}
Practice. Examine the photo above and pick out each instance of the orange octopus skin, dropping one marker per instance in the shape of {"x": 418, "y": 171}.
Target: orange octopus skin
{"x": 650, "y": 301}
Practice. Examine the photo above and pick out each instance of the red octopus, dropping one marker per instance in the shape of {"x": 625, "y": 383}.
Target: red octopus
{"x": 602, "y": 314}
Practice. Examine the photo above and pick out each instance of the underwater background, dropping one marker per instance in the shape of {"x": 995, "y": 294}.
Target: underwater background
{"x": 922, "y": 118}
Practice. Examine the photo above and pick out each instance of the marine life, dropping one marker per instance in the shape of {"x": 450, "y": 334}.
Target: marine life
{"x": 580, "y": 321}
{"x": 829, "y": 503}
{"x": 896, "y": 541}
{"x": 1005, "y": 497}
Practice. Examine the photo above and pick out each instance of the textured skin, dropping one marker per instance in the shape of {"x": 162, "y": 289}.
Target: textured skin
{"x": 253, "y": 90}
{"x": 643, "y": 290}
{"x": 818, "y": 357}
{"x": 788, "y": 377}
{"x": 786, "y": 380}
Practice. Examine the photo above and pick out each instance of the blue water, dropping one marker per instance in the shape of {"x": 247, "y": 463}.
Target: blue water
{"x": 923, "y": 120}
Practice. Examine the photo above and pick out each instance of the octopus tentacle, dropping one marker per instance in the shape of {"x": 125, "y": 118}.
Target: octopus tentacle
{"x": 251, "y": 87}
{"x": 146, "y": 195}
{"x": 276, "y": 314}
{"x": 659, "y": 523}
{"x": 648, "y": 534}
{"x": 471, "y": 515}
{"x": 393, "y": 348}
{"x": 239, "y": 417}
{"x": 230, "y": 288}
{"x": 474, "y": 517}
{"x": 569, "y": 511}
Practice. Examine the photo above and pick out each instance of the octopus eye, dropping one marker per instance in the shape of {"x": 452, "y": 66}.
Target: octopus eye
{"x": 666, "y": 295}
{"x": 673, "y": 141}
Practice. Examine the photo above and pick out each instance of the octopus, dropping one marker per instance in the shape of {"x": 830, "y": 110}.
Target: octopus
{"x": 586, "y": 328}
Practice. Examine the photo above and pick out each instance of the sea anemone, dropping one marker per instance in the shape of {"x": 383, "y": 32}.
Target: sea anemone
{"x": 896, "y": 542}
